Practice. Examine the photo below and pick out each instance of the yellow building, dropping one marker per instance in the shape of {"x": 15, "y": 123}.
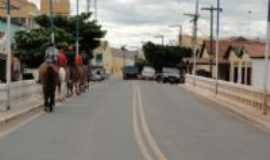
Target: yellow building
{"x": 120, "y": 59}
{"x": 61, "y": 7}
{"x": 113, "y": 59}
{"x": 103, "y": 56}
{"x": 21, "y": 8}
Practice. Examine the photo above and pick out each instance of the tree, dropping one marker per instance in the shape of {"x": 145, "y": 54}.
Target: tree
{"x": 160, "y": 56}
{"x": 30, "y": 45}
{"x": 90, "y": 31}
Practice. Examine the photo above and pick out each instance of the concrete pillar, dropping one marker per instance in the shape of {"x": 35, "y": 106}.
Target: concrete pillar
{"x": 239, "y": 72}
{"x": 246, "y": 73}
{"x": 232, "y": 72}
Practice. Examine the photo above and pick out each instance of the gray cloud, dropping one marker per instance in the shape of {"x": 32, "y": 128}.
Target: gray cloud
{"x": 133, "y": 21}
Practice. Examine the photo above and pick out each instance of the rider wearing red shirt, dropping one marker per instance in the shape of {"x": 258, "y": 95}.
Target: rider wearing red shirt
{"x": 62, "y": 58}
{"x": 78, "y": 60}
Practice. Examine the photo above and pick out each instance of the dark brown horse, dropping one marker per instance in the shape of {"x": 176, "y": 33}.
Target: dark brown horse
{"x": 49, "y": 78}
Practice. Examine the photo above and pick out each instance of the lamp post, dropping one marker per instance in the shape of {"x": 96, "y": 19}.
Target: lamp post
{"x": 51, "y": 22}
{"x": 161, "y": 37}
{"x": 88, "y": 6}
{"x": 96, "y": 9}
{"x": 217, "y": 43}
{"x": 266, "y": 67}
{"x": 8, "y": 50}
{"x": 249, "y": 17}
{"x": 77, "y": 30}
{"x": 180, "y": 32}
{"x": 195, "y": 19}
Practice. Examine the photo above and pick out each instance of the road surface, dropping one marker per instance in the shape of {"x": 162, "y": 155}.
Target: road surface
{"x": 136, "y": 120}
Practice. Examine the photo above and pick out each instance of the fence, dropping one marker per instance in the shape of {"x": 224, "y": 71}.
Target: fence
{"x": 23, "y": 94}
{"x": 236, "y": 93}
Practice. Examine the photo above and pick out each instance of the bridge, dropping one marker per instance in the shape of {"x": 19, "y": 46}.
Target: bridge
{"x": 138, "y": 120}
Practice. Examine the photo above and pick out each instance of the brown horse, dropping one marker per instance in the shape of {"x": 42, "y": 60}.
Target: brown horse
{"x": 76, "y": 78}
{"x": 49, "y": 79}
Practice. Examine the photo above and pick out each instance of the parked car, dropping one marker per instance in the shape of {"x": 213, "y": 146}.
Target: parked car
{"x": 171, "y": 75}
{"x": 98, "y": 73}
{"x": 148, "y": 73}
{"x": 130, "y": 72}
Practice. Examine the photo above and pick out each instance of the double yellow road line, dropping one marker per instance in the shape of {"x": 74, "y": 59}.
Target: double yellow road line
{"x": 146, "y": 143}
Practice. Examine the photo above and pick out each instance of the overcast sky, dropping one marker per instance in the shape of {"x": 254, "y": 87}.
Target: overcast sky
{"x": 129, "y": 22}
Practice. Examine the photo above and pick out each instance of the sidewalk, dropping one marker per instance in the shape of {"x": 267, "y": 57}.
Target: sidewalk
{"x": 246, "y": 112}
{"x": 24, "y": 108}
{"x": 17, "y": 113}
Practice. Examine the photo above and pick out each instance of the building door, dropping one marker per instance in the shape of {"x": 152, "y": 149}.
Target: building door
{"x": 235, "y": 74}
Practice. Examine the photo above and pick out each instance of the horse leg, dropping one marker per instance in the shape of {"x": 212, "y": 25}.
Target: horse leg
{"x": 52, "y": 99}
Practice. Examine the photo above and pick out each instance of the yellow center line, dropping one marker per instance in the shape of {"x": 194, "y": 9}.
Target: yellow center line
{"x": 145, "y": 131}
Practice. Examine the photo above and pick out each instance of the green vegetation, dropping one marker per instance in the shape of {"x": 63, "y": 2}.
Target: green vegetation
{"x": 30, "y": 45}
{"x": 160, "y": 56}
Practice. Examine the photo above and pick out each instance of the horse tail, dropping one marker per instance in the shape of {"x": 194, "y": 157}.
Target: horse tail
{"x": 50, "y": 76}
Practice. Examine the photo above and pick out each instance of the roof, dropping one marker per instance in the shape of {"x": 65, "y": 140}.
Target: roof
{"x": 120, "y": 53}
{"x": 254, "y": 48}
{"x": 223, "y": 50}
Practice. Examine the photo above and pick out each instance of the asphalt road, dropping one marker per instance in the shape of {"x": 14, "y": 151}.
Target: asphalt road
{"x": 132, "y": 120}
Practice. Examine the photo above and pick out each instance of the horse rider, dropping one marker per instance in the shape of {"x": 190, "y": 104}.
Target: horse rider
{"x": 51, "y": 55}
{"x": 62, "y": 62}
{"x": 78, "y": 60}
{"x": 48, "y": 74}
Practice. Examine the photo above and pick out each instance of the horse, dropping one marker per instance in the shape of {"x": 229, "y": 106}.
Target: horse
{"x": 49, "y": 78}
{"x": 70, "y": 74}
{"x": 74, "y": 79}
{"x": 62, "y": 82}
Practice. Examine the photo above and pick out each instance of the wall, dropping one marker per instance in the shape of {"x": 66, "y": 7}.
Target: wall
{"x": 23, "y": 95}
{"x": 230, "y": 93}
{"x": 59, "y": 7}
{"x": 258, "y": 73}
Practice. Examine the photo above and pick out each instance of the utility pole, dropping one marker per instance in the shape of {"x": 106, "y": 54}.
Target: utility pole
{"x": 96, "y": 9}
{"x": 51, "y": 22}
{"x": 8, "y": 50}
{"x": 266, "y": 67}
{"x": 219, "y": 10}
{"x": 77, "y": 30}
{"x": 195, "y": 18}
{"x": 211, "y": 9}
{"x": 124, "y": 49}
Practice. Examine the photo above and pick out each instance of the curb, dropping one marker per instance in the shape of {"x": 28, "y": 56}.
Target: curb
{"x": 20, "y": 114}
{"x": 255, "y": 118}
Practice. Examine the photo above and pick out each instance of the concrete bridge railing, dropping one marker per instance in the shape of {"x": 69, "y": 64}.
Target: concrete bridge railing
{"x": 23, "y": 94}
{"x": 236, "y": 93}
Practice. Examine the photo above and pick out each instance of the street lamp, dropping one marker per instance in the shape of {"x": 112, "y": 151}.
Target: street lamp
{"x": 77, "y": 30}
{"x": 8, "y": 50}
{"x": 266, "y": 67}
{"x": 217, "y": 43}
{"x": 249, "y": 17}
{"x": 51, "y": 22}
{"x": 88, "y": 6}
{"x": 96, "y": 9}
{"x": 195, "y": 18}
{"x": 180, "y": 32}
{"x": 161, "y": 37}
